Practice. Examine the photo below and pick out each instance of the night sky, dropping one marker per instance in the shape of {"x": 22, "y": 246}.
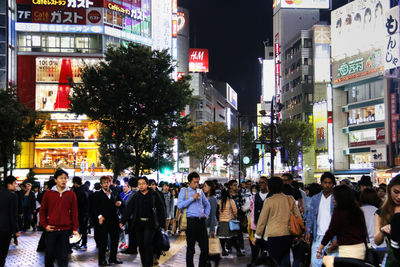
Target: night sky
{"x": 234, "y": 32}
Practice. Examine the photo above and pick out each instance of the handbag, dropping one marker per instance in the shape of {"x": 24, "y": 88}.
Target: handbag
{"x": 183, "y": 216}
{"x": 214, "y": 246}
{"x": 162, "y": 241}
{"x": 371, "y": 255}
{"x": 234, "y": 225}
{"x": 296, "y": 224}
{"x": 155, "y": 216}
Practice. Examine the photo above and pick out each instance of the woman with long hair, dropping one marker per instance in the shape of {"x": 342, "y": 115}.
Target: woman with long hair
{"x": 227, "y": 212}
{"x": 383, "y": 219}
{"x": 348, "y": 225}
{"x": 209, "y": 191}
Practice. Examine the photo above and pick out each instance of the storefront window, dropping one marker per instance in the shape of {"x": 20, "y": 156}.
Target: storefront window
{"x": 362, "y": 137}
{"x": 69, "y": 127}
{"x": 366, "y": 114}
{"x": 365, "y": 91}
{"x": 361, "y": 161}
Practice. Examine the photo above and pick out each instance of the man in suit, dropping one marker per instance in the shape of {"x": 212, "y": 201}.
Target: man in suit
{"x": 8, "y": 216}
{"x": 105, "y": 207}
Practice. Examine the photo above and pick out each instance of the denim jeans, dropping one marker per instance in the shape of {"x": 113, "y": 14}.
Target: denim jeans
{"x": 315, "y": 262}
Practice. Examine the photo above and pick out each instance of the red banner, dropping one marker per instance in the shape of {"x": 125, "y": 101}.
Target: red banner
{"x": 198, "y": 60}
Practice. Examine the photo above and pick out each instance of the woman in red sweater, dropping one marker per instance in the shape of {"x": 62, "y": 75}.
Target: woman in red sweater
{"x": 347, "y": 224}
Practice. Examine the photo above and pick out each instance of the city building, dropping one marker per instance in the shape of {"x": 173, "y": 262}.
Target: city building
{"x": 7, "y": 43}
{"x": 364, "y": 97}
{"x": 54, "y": 39}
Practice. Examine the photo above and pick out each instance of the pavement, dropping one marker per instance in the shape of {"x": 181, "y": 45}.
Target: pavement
{"x": 25, "y": 255}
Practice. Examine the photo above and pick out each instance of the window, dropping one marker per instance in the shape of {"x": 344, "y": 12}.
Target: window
{"x": 365, "y": 91}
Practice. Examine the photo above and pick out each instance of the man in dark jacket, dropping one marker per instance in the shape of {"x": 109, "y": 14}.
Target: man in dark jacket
{"x": 58, "y": 216}
{"x": 83, "y": 209}
{"x": 8, "y": 216}
{"x": 105, "y": 210}
{"x": 140, "y": 210}
{"x": 28, "y": 202}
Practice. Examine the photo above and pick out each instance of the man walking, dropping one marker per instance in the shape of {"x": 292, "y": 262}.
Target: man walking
{"x": 58, "y": 216}
{"x": 141, "y": 211}
{"x": 106, "y": 203}
{"x": 319, "y": 216}
{"x": 83, "y": 209}
{"x": 28, "y": 202}
{"x": 198, "y": 210}
{"x": 8, "y": 216}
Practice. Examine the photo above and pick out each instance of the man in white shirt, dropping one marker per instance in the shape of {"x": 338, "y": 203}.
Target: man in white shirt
{"x": 319, "y": 216}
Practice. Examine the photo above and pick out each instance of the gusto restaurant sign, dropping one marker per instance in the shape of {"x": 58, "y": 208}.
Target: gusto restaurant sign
{"x": 136, "y": 14}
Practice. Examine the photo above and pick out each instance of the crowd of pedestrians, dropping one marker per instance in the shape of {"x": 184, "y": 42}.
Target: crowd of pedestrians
{"x": 286, "y": 224}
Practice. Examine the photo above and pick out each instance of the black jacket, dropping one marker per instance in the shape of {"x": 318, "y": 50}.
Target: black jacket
{"x": 104, "y": 206}
{"x": 83, "y": 200}
{"x": 31, "y": 199}
{"x": 8, "y": 211}
{"x": 132, "y": 208}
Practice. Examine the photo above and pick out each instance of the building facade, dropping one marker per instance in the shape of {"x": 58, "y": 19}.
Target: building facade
{"x": 55, "y": 39}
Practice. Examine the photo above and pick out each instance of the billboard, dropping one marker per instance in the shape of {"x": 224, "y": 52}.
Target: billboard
{"x": 322, "y": 53}
{"x": 358, "y": 27}
{"x": 268, "y": 79}
{"x": 314, "y": 4}
{"x": 391, "y": 45}
{"x": 53, "y": 77}
{"x": 198, "y": 60}
{"x": 357, "y": 68}
{"x": 231, "y": 96}
{"x": 320, "y": 119}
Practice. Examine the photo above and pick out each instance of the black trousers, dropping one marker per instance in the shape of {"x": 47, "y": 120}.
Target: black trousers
{"x": 57, "y": 246}
{"x": 144, "y": 235}
{"x": 28, "y": 218}
{"x": 83, "y": 227}
{"x": 196, "y": 231}
{"x": 5, "y": 239}
{"x": 255, "y": 252}
{"x": 108, "y": 228}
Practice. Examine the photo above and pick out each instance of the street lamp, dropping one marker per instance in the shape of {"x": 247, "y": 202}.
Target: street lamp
{"x": 75, "y": 148}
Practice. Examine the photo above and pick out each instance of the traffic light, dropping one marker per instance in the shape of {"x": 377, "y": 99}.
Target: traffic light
{"x": 255, "y": 156}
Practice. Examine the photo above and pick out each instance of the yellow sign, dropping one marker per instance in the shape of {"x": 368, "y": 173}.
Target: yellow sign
{"x": 65, "y": 145}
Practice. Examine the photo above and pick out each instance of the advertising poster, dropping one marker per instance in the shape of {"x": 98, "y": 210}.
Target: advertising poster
{"x": 322, "y": 53}
{"x": 320, "y": 4}
{"x": 268, "y": 79}
{"x": 320, "y": 117}
{"x": 231, "y": 96}
{"x": 53, "y": 78}
{"x": 391, "y": 44}
{"x": 358, "y": 27}
{"x": 198, "y": 60}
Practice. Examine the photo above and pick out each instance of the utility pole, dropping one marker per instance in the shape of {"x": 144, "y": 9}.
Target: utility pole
{"x": 271, "y": 142}
{"x": 240, "y": 146}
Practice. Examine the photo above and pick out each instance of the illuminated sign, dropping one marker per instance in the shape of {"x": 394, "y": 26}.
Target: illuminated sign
{"x": 320, "y": 120}
{"x": 314, "y": 4}
{"x": 67, "y": 117}
{"x": 135, "y": 13}
{"x": 359, "y": 67}
{"x": 358, "y": 27}
{"x": 268, "y": 79}
{"x": 36, "y": 27}
{"x": 391, "y": 45}
{"x": 322, "y": 53}
{"x": 231, "y": 96}
{"x": 174, "y": 26}
{"x": 198, "y": 60}
{"x": 181, "y": 20}
{"x": 67, "y": 3}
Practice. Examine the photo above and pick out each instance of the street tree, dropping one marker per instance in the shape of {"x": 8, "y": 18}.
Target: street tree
{"x": 133, "y": 96}
{"x": 18, "y": 123}
{"x": 211, "y": 138}
{"x": 294, "y": 137}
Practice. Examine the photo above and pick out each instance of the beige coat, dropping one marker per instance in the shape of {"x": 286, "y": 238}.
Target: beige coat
{"x": 274, "y": 217}
{"x": 230, "y": 206}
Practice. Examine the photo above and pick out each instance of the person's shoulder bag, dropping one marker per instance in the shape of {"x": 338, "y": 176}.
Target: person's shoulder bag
{"x": 183, "y": 216}
{"x": 296, "y": 224}
{"x": 234, "y": 225}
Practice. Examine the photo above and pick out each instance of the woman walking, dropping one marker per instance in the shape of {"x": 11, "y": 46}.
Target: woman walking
{"x": 273, "y": 223}
{"x": 227, "y": 212}
{"x": 348, "y": 225}
{"x": 383, "y": 219}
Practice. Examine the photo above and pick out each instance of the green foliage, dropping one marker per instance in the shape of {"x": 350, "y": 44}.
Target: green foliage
{"x": 295, "y": 136}
{"x": 18, "y": 123}
{"x": 136, "y": 101}
{"x": 207, "y": 140}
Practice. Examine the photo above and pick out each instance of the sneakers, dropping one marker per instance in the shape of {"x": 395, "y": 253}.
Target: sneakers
{"x": 83, "y": 247}
{"x": 122, "y": 245}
